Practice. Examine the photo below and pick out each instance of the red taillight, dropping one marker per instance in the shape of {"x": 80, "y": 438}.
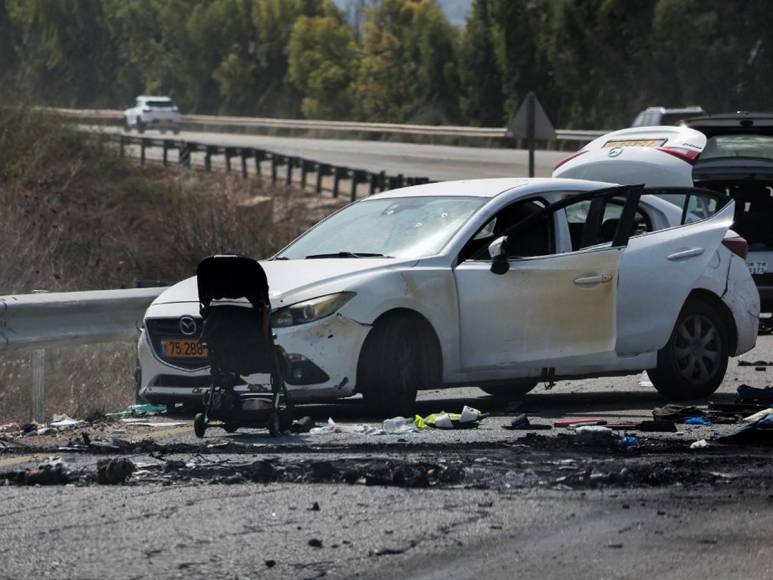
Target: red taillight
{"x": 737, "y": 245}
{"x": 567, "y": 159}
{"x": 682, "y": 153}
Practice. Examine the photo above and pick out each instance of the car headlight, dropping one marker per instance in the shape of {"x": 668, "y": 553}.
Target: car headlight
{"x": 310, "y": 310}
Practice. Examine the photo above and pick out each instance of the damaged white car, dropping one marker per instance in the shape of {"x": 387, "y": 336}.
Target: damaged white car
{"x": 496, "y": 283}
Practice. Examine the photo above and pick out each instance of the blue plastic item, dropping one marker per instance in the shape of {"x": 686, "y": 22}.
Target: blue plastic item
{"x": 628, "y": 441}
{"x": 697, "y": 421}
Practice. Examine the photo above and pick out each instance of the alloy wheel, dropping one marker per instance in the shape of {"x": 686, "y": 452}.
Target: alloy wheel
{"x": 697, "y": 349}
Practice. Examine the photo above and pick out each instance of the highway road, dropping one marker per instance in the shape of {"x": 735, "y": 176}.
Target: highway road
{"x": 485, "y": 502}
{"x": 437, "y": 162}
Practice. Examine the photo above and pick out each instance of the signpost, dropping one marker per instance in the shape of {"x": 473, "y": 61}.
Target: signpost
{"x": 530, "y": 122}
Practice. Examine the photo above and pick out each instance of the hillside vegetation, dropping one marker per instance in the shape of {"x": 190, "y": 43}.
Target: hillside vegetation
{"x": 593, "y": 63}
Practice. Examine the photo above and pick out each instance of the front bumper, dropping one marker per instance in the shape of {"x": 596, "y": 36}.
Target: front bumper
{"x": 333, "y": 344}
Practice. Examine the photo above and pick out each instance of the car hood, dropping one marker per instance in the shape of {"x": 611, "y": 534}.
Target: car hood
{"x": 294, "y": 278}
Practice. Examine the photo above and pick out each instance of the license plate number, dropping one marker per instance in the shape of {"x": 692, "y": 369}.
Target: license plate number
{"x": 184, "y": 348}
{"x": 634, "y": 143}
{"x": 757, "y": 267}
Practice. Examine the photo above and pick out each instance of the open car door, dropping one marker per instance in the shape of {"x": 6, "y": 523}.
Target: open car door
{"x": 659, "y": 269}
{"x": 652, "y": 156}
{"x": 544, "y": 311}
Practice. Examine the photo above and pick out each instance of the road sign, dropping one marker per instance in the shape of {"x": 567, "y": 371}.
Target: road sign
{"x": 530, "y": 122}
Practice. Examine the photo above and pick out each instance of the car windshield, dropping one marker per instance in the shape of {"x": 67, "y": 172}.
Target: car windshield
{"x": 405, "y": 227}
{"x": 738, "y": 146}
{"x": 160, "y": 104}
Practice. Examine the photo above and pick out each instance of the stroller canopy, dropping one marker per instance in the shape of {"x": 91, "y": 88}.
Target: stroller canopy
{"x": 232, "y": 277}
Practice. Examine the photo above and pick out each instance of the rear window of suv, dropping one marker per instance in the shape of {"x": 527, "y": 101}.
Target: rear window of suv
{"x": 738, "y": 146}
{"x": 160, "y": 104}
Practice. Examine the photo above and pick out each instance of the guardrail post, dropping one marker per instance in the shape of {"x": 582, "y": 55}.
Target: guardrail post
{"x": 121, "y": 145}
{"x": 166, "y": 153}
{"x": 400, "y": 180}
{"x": 304, "y": 171}
{"x": 245, "y": 153}
{"x": 208, "y": 159}
{"x": 142, "y": 152}
{"x": 382, "y": 180}
{"x": 259, "y": 156}
{"x": 274, "y": 163}
{"x": 289, "y": 175}
{"x": 227, "y": 152}
{"x": 356, "y": 178}
{"x": 38, "y": 385}
{"x": 322, "y": 170}
{"x": 338, "y": 174}
{"x": 184, "y": 154}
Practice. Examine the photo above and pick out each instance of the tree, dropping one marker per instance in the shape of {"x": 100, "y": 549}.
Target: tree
{"x": 408, "y": 70}
{"x": 322, "y": 55}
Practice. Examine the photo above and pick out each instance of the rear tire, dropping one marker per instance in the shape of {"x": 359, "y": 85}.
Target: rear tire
{"x": 692, "y": 365}
{"x": 393, "y": 367}
{"x": 199, "y": 425}
{"x": 512, "y": 391}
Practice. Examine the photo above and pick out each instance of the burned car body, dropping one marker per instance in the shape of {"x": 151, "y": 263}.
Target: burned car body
{"x": 396, "y": 293}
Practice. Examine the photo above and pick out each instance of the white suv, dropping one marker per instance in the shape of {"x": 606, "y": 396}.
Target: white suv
{"x": 151, "y": 111}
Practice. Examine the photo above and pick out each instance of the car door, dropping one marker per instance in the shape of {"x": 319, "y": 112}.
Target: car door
{"x": 545, "y": 310}
{"x": 659, "y": 270}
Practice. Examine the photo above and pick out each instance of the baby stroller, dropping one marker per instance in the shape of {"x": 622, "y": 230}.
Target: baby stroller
{"x": 236, "y": 315}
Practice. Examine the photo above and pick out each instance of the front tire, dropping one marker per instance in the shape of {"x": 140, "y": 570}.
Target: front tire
{"x": 393, "y": 367}
{"x": 692, "y": 365}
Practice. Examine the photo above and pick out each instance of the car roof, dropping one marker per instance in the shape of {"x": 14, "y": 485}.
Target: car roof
{"x": 744, "y": 121}
{"x": 676, "y": 110}
{"x": 492, "y": 187}
{"x": 154, "y": 98}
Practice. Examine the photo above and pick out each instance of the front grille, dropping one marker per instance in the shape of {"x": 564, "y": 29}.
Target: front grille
{"x": 160, "y": 329}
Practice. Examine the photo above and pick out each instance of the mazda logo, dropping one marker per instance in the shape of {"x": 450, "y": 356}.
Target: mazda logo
{"x": 188, "y": 325}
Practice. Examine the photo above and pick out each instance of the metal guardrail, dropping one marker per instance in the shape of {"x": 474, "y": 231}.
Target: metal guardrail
{"x": 214, "y": 121}
{"x": 44, "y": 320}
{"x": 377, "y": 181}
{"x": 50, "y": 319}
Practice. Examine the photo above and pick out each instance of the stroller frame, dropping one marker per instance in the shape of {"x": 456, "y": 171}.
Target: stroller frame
{"x": 236, "y": 313}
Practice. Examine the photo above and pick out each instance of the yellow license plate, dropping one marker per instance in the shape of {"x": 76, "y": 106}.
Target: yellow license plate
{"x": 183, "y": 348}
{"x": 635, "y": 143}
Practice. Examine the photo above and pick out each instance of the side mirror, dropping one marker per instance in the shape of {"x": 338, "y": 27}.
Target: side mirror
{"x": 498, "y": 252}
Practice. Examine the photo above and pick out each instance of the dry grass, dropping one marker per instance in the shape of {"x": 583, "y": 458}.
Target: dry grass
{"x": 78, "y": 217}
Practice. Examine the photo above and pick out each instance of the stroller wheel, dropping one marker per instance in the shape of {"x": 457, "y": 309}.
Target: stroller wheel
{"x": 231, "y": 427}
{"x": 199, "y": 425}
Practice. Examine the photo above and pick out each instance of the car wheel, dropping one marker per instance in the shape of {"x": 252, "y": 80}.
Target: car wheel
{"x": 512, "y": 391}
{"x": 692, "y": 365}
{"x": 392, "y": 370}
{"x": 199, "y": 425}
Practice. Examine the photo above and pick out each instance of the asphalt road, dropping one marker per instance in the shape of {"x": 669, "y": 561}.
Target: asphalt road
{"x": 437, "y": 162}
{"x": 483, "y": 502}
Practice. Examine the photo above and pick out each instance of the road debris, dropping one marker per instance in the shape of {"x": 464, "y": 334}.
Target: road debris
{"x": 760, "y": 432}
{"x": 115, "y": 470}
{"x": 578, "y": 422}
{"x": 748, "y": 394}
{"x": 700, "y": 444}
{"x": 145, "y": 409}
{"x": 400, "y": 425}
{"x": 333, "y": 427}
{"x": 521, "y": 423}
{"x": 468, "y": 418}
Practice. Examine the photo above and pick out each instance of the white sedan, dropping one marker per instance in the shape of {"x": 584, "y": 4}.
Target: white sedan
{"x": 496, "y": 283}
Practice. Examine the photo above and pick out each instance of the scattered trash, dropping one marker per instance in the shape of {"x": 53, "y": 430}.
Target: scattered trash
{"x": 594, "y": 433}
{"x": 696, "y": 421}
{"x": 676, "y": 413}
{"x": 314, "y": 507}
{"x": 65, "y": 422}
{"x": 645, "y": 380}
{"x": 52, "y": 472}
{"x": 468, "y": 418}
{"x": 270, "y": 563}
{"x": 114, "y": 471}
{"x": 657, "y": 426}
{"x": 10, "y": 428}
{"x": 161, "y": 424}
{"x": 399, "y": 425}
{"x": 700, "y": 444}
{"x": 315, "y": 543}
{"x": 521, "y": 422}
{"x": 747, "y": 394}
{"x": 628, "y": 441}
{"x": 139, "y": 410}
{"x": 333, "y": 427}
{"x": 756, "y": 363}
{"x": 758, "y": 415}
{"x": 578, "y": 422}
{"x": 759, "y": 432}
{"x": 302, "y": 425}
